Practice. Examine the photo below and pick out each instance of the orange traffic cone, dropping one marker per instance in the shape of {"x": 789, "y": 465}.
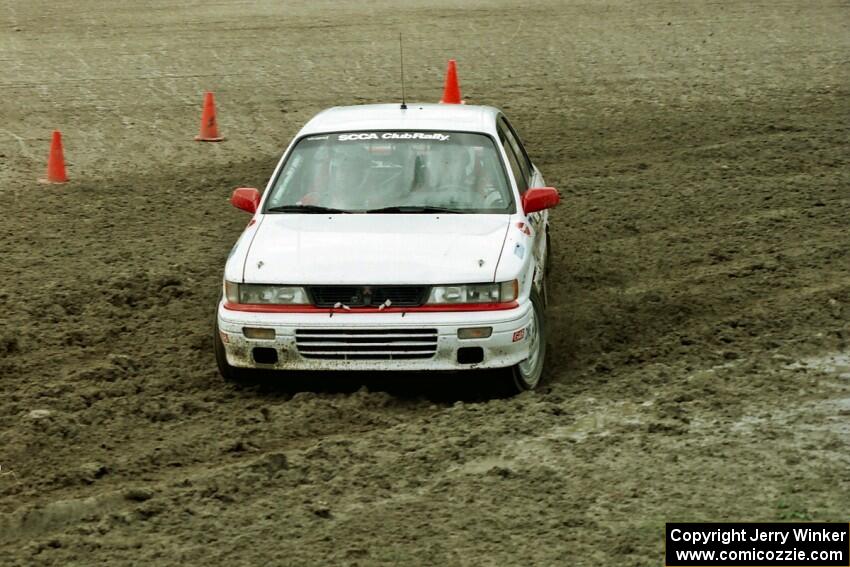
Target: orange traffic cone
{"x": 209, "y": 126}
{"x": 451, "y": 90}
{"x": 55, "y": 161}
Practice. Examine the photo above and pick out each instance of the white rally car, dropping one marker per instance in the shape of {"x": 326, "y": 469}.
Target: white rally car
{"x": 392, "y": 238}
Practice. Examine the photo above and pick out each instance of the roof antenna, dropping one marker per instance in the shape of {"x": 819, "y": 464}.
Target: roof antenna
{"x": 401, "y": 53}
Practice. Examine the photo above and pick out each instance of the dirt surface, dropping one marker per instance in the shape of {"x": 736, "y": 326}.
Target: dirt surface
{"x": 698, "y": 363}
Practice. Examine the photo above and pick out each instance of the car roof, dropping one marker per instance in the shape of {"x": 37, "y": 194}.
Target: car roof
{"x": 448, "y": 117}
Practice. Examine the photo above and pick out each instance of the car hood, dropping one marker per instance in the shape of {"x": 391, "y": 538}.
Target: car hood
{"x": 375, "y": 249}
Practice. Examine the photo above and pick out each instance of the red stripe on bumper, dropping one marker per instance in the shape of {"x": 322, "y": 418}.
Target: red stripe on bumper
{"x": 268, "y": 308}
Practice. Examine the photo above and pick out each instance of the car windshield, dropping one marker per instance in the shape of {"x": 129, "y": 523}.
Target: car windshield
{"x": 393, "y": 172}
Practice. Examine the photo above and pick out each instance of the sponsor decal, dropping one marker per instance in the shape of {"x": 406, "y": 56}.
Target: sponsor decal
{"x": 317, "y": 138}
{"x": 358, "y": 136}
{"x": 519, "y": 335}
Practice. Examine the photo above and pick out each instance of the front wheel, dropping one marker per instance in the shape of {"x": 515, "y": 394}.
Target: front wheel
{"x": 527, "y": 374}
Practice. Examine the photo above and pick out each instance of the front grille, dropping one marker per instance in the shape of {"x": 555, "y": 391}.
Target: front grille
{"x": 366, "y": 344}
{"x": 367, "y": 295}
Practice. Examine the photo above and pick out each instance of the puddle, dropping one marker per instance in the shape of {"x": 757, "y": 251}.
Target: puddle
{"x": 837, "y": 363}
{"x": 553, "y": 446}
{"x": 801, "y": 422}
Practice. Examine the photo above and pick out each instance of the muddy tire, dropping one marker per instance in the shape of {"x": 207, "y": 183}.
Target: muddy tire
{"x": 548, "y": 266}
{"x": 528, "y": 374}
{"x": 229, "y": 373}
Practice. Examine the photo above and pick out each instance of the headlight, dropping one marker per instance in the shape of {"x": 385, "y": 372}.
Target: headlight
{"x": 264, "y": 293}
{"x": 475, "y": 293}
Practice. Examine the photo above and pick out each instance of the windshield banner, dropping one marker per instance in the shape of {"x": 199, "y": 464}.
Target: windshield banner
{"x": 435, "y": 136}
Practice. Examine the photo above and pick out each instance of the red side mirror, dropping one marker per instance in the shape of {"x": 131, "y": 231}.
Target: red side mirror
{"x": 539, "y": 198}
{"x": 246, "y": 198}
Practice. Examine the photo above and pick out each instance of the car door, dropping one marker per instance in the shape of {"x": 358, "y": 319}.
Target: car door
{"x": 527, "y": 176}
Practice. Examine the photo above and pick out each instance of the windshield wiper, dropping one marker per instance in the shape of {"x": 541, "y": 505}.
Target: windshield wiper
{"x": 413, "y": 209}
{"x": 303, "y": 209}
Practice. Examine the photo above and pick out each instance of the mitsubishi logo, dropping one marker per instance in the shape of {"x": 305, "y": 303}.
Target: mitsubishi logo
{"x": 363, "y": 296}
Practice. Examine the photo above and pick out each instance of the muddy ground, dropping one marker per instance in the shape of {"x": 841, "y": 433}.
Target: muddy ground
{"x": 698, "y": 363}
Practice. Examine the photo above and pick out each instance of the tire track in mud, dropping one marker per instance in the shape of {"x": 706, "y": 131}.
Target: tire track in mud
{"x": 123, "y": 485}
{"x": 343, "y": 484}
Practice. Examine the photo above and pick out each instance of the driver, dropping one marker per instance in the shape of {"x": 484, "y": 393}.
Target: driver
{"x": 347, "y": 171}
{"x": 447, "y": 175}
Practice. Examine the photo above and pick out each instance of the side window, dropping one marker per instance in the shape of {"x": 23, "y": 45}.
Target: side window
{"x": 519, "y": 151}
{"x": 513, "y": 161}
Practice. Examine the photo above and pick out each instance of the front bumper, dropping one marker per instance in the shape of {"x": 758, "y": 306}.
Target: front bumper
{"x": 506, "y": 346}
